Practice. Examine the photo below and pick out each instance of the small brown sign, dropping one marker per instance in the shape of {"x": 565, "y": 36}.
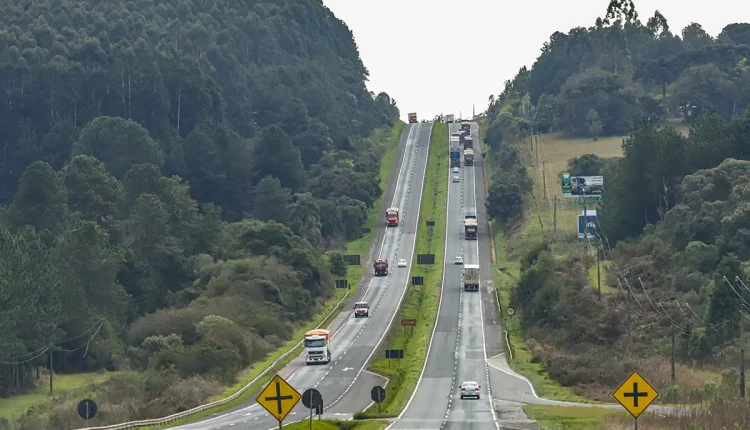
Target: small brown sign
{"x": 410, "y": 323}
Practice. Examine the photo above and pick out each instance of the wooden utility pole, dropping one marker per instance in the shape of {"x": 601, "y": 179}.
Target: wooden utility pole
{"x": 742, "y": 356}
{"x": 554, "y": 222}
{"x": 544, "y": 177}
{"x": 673, "y": 358}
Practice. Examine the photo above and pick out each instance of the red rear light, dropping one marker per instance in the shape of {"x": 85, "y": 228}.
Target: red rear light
{"x": 463, "y": 389}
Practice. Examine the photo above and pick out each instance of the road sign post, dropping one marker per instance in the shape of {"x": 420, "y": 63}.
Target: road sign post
{"x": 408, "y": 323}
{"x": 312, "y": 400}
{"x": 278, "y": 398}
{"x": 377, "y": 394}
{"x": 635, "y": 395}
{"x": 511, "y": 311}
{"x": 87, "y": 409}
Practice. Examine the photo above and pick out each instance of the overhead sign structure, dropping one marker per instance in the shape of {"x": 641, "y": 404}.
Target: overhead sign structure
{"x": 575, "y": 186}
{"x": 278, "y": 398}
{"x": 635, "y": 394}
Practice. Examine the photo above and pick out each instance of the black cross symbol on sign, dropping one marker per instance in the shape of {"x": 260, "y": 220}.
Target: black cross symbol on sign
{"x": 635, "y": 394}
{"x": 279, "y": 398}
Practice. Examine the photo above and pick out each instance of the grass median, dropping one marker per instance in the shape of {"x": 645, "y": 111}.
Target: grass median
{"x": 420, "y": 302}
{"x": 389, "y": 138}
{"x": 338, "y": 425}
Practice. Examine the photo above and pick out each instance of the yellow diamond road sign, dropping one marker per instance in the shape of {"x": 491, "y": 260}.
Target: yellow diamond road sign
{"x": 278, "y": 397}
{"x": 635, "y": 394}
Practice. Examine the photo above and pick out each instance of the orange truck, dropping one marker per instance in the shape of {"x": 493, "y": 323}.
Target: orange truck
{"x": 391, "y": 216}
{"x": 317, "y": 346}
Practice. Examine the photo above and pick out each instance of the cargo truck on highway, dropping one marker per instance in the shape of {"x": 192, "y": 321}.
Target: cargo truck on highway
{"x": 449, "y": 119}
{"x": 380, "y": 267}
{"x": 391, "y": 217}
{"x": 466, "y": 126}
{"x": 471, "y": 277}
{"x": 468, "y": 157}
{"x": 468, "y": 142}
{"x": 413, "y": 118}
{"x": 470, "y": 229}
{"x": 317, "y": 346}
{"x": 455, "y": 158}
{"x": 454, "y": 143}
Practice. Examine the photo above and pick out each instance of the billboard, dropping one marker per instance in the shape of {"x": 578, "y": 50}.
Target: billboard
{"x": 591, "y": 224}
{"x": 589, "y": 186}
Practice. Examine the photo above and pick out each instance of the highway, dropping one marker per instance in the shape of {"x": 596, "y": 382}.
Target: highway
{"x": 457, "y": 352}
{"x": 344, "y": 384}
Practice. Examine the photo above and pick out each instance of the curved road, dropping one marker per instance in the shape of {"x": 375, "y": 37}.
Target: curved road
{"x": 355, "y": 340}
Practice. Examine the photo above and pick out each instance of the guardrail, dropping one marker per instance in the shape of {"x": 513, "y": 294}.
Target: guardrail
{"x": 197, "y": 409}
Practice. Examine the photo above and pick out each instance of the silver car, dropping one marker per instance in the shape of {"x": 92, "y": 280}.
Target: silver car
{"x": 455, "y": 178}
{"x": 470, "y": 389}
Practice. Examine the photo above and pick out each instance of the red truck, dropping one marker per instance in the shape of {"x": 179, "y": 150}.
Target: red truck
{"x": 391, "y": 216}
{"x": 413, "y": 118}
{"x": 380, "y": 267}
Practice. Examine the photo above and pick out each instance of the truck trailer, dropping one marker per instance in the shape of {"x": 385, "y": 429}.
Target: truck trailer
{"x": 471, "y": 277}
{"x": 391, "y": 217}
{"x": 469, "y": 157}
{"x": 454, "y": 143}
{"x": 317, "y": 346}
{"x": 380, "y": 267}
{"x": 470, "y": 229}
{"x": 468, "y": 142}
{"x": 455, "y": 158}
{"x": 449, "y": 118}
{"x": 466, "y": 126}
{"x": 413, "y": 118}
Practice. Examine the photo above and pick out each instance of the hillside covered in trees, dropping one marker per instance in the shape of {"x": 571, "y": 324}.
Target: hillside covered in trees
{"x": 172, "y": 173}
{"x": 674, "y": 213}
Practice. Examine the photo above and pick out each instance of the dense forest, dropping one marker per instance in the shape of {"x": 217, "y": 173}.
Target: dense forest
{"x": 172, "y": 175}
{"x": 674, "y": 214}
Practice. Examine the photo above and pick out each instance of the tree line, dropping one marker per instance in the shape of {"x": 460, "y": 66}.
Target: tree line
{"x": 172, "y": 175}
{"x": 673, "y": 213}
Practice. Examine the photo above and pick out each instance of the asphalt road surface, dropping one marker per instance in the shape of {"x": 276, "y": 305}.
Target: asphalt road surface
{"x": 344, "y": 384}
{"x": 457, "y": 351}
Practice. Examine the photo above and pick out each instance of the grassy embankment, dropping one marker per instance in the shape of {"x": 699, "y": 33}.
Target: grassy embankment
{"x": 13, "y": 407}
{"x": 85, "y": 383}
{"x": 574, "y": 418}
{"x": 420, "y": 302}
{"x": 390, "y": 138}
{"x": 339, "y": 425}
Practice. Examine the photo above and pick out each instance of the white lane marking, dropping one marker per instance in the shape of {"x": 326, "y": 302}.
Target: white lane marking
{"x": 411, "y": 260}
{"x": 440, "y": 301}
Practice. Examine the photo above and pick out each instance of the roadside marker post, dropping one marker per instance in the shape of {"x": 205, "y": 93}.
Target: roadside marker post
{"x": 377, "y": 394}
{"x": 635, "y": 395}
{"x": 278, "y": 398}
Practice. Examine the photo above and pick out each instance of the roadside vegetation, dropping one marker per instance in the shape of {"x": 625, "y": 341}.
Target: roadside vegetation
{"x": 671, "y": 220}
{"x": 172, "y": 214}
{"x": 420, "y": 301}
{"x": 339, "y": 425}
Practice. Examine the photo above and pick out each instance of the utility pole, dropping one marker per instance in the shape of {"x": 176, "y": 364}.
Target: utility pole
{"x": 554, "y": 222}
{"x": 673, "y": 359}
{"x": 599, "y": 278}
{"x": 544, "y": 177}
{"x": 742, "y": 356}
{"x": 50, "y": 371}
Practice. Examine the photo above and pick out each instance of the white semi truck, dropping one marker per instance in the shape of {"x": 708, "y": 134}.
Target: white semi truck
{"x": 317, "y": 346}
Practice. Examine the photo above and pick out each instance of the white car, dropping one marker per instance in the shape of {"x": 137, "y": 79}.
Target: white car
{"x": 459, "y": 259}
{"x": 455, "y": 170}
{"x": 470, "y": 389}
{"x": 402, "y": 263}
{"x": 455, "y": 178}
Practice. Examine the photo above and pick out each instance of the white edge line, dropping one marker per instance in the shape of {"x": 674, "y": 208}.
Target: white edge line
{"x": 369, "y": 285}
{"x": 398, "y": 306}
{"x": 481, "y": 305}
{"x": 440, "y": 301}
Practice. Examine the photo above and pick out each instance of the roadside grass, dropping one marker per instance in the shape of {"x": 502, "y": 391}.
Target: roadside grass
{"x": 12, "y": 408}
{"x": 338, "y": 425}
{"x": 572, "y": 417}
{"x": 389, "y": 138}
{"x": 420, "y": 302}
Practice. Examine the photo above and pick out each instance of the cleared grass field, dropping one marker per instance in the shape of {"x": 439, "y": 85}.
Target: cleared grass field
{"x": 12, "y": 408}
{"x": 420, "y": 302}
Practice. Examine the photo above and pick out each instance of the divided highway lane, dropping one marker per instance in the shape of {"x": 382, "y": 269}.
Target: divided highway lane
{"x": 456, "y": 352}
{"x": 354, "y": 342}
